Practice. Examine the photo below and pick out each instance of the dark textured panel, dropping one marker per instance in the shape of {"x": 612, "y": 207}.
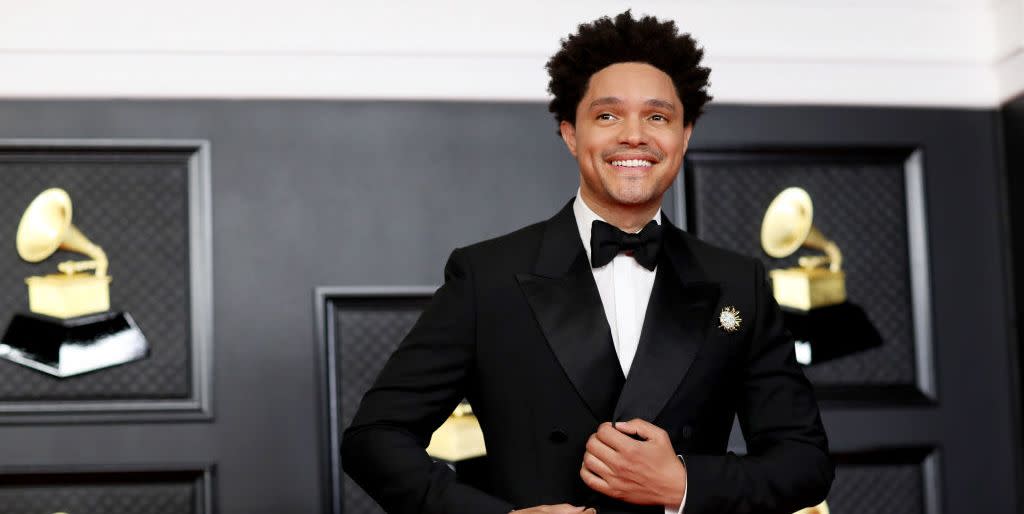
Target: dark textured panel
{"x": 133, "y": 204}
{"x": 895, "y": 488}
{"x": 859, "y": 202}
{"x": 883, "y": 481}
{"x": 106, "y": 493}
{"x": 367, "y": 332}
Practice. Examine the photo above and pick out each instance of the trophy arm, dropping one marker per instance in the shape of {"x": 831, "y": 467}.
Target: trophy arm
{"x": 835, "y": 257}
{"x": 75, "y": 241}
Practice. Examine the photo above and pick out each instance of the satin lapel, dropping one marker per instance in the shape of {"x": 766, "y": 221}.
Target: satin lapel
{"x": 567, "y": 305}
{"x": 678, "y": 315}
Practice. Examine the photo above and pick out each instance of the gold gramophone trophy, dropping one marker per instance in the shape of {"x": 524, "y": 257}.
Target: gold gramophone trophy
{"x": 787, "y": 226}
{"x": 71, "y": 329}
{"x": 459, "y": 438}
{"x": 821, "y": 508}
{"x": 812, "y": 295}
{"x": 459, "y": 442}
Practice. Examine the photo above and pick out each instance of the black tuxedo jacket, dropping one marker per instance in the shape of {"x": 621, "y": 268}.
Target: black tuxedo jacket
{"x": 518, "y": 328}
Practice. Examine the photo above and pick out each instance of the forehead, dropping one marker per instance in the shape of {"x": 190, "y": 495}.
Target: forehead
{"x": 631, "y": 81}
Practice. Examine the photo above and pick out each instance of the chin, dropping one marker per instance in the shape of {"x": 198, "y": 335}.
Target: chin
{"x": 634, "y": 194}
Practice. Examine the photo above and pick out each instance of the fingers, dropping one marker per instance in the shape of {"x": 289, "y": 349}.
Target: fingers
{"x": 596, "y": 466}
{"x": 593, "y": 481}
{"x": 614, "y": 438}
{"x": 641, "y": 428}
{"x": 602, "y": 451}
{"x": 563, "y": 508}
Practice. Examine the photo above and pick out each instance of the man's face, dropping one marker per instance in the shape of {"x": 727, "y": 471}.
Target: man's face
{"x": 629, "y": 138}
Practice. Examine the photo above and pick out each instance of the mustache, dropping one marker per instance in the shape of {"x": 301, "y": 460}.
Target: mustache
{"x": 654, "y": 153}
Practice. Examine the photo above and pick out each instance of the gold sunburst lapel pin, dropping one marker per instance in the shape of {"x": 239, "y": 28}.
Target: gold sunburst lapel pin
{"x": 729, "y": 319}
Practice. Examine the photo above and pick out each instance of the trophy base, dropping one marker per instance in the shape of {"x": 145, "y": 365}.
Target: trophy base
{"x": 68, "y": 296}
{"x": 460, "y": 438}
{"x": 806, "y": 289}
{"x": 67, "y": 347}
{"x": 831, "y": 332}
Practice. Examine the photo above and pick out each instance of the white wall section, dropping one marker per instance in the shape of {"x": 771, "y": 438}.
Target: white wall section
{"x": 964, "y": 53}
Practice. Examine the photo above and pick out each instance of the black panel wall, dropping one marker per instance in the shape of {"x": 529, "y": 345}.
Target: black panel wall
{"x": 311, "y": 194}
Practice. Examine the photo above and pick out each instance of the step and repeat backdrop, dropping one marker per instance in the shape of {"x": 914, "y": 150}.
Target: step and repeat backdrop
{"x": 196, "y": 294}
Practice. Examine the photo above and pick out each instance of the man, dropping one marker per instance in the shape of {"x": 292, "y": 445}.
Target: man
{"x": 605, "y": 352}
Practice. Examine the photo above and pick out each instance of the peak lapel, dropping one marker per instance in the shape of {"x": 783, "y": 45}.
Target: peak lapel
{"x": 678, "y": 315}
{"x": 567, "y": 306}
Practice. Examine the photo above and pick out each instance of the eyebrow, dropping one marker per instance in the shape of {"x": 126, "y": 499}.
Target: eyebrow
{"x": 614, "y": 100}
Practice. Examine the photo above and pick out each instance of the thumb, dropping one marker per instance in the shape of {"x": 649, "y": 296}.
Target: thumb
{"x": 637, "y": 427}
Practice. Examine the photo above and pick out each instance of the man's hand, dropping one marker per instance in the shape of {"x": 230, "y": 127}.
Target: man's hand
{"x": 643, "y": 472}
{"x": 564, "y": 508}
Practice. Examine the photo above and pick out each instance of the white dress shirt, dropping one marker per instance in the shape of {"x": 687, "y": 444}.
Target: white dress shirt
{"x": 625, "y": 289}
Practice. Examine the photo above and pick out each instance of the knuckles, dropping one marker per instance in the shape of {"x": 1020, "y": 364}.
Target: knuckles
{"x": 629, "y": 451}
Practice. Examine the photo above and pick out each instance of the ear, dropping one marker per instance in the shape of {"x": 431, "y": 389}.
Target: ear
{"x": 568, "y": 131}
{"x": 687, "y": 132}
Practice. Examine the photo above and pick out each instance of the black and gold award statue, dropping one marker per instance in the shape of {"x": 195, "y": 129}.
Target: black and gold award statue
{"x": 71, "y": 329}
{"x": 825, "y": 324}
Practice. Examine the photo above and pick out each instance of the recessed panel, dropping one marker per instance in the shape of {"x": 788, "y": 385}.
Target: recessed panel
{"x": 364, "y": 329}
{"x": 145, "y": 206}
{"x": 108, "y": 492}
{"x": 868, "y": 203}
{"x": 891, "y": 481}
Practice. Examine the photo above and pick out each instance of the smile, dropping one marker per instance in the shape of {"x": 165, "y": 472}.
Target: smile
{"x": 633, "y": 163}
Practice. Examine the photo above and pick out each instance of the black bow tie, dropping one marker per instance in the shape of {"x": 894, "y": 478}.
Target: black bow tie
{"x": 607, "y": 241}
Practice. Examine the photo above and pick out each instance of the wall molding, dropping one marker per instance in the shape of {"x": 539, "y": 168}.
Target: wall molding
{"x": 908, "y": 52}
{"x": 198, "y": 405}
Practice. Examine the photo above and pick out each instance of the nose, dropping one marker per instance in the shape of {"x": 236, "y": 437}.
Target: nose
{"x": 633, "y": 133}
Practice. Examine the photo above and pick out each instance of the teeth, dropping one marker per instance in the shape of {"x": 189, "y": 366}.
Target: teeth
{"x": 632, "y": 163}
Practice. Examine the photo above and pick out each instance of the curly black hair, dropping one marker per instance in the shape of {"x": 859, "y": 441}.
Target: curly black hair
{"x": 604, "y": 42}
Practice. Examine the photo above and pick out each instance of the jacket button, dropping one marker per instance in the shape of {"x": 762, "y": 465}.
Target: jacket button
{"x": 686, "y": 431}
{"x": 558, "y": 435}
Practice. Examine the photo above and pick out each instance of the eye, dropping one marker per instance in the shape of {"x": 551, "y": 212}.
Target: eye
{"x": 658, "y": 117}
{"x": 606, "y": 116}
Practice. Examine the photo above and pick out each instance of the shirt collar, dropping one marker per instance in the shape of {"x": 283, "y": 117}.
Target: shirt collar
{"x": 585, "y": 217}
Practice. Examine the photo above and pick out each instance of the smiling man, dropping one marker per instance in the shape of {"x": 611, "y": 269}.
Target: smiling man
{"x": 628, "y": 136}
{"x": 605, "y": 351}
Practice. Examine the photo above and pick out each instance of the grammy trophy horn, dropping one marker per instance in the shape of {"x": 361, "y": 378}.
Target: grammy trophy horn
{"x": 46, "y": 227}
{"x": 788, "y": 226}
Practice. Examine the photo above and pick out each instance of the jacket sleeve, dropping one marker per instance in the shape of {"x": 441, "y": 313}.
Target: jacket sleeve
{"x": 787, "y": 466}
{"x": 383, "y": 449}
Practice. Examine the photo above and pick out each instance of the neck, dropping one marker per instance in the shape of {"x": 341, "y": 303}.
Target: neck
{"x": 627, "y": 218}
